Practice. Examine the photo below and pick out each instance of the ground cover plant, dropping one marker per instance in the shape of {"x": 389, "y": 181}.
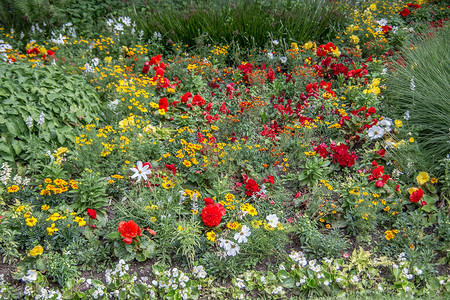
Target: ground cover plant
{"x": 308, "y": 164}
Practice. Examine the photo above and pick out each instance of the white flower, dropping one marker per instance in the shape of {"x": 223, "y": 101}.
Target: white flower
{"x": 225, "y": 244}
{"x": 270, "y": 55}
{"x": 375, "y": 132}
{"x": 118, "y": 27}
{"x": 41, "y": 118}
{"x": 263, "y": 279}
{"x": 382, "y": 22}
{"x": 241, "y": 237}
{"x": 413, "y": 85}
{"x": 234, "y": 249}
{"x": 113, "y": 104}
{"x": 386, "y": 124}
{"x": 275, "y": 42}
{"x": 326, "y": 282}
{"x": 273, "y": 220}
{"x": 240, "y": 283}
{"x": 394, "y": 29}
{"x": 125, "y": 20}
{"x": 140, "y": 171}
{"x": 384, "y": 71}
{"x": 95, "y": 61}
{"x": 283, "y": 59}
{"x": 417, "y": 271}
{"x": 277, "y": 290}
{"x": 29, "y": 121}
{"x": 407, "y": 115}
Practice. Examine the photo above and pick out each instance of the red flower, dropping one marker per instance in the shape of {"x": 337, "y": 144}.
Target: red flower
{"x": 92, "y": 213}
{"x": 251, "y": 187}
{"x": 185, "y": 97}
{"x": 172, "y": 168}
{"x": 372, "y": 110}
{"x": 404, "y": 12}
{"x": 212, "y": 214}
{"x": 382, "y": 152}
{"x": 208, "y": 201}
{"x": 129, "y": 230}
{"x": 50, "y": 52}
{"x": 146, "y": 67}
{"x": 416, "y": 195}
{"x": 198, "y": 100}
{"x": 423, "y": 203}
{"x": 270, "y": 179}
{"x": 163, "y": 104}
{"x": 147, "y": 164}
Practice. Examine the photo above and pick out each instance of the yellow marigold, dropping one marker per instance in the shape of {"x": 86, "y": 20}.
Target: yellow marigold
{"x": 187, "y": 163}
{"x": 354, "y": 39}
{"x": 45, "y": 192}
{"x": 211, "y": 235}
{"x": 13, "y": 189}
{"x": 234, "y": 226}
{"x": 398, "y": 123}
{"x": 116, "y": 176}
{"x": 80, "y": 221}
{"x": 54, "y": 217}
{"x": 433, "y": 180}
{"x": 268, "y": 227}
{"x": 31, "y": 221}
{"x": 61, "y": 150}
{"x": 20, "y": 208}
{"x": 422, "y": 178}
{"x": 308, "y": 45}
{"x": 52, "y": 229}
{"x": 47, "y": 180}
{"x": 37, "y": 250}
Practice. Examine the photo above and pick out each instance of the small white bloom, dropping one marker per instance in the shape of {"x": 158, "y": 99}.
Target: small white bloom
{"x": 412, "y": 85}
{"x": 375, "y": 132}
{"x": 140, "y": 171}
{"x": 41, "y": 119}
{"x": 407, "y": 116}
{"x": 234, "y": 249}
{"x": 283, "y": 59}
{"x": 275, "y": 42}
{"x": 382, "y": 22}
{"x": 29, "y": 121}
{"x": 277, "y": 290}
{"x": 240, "y": 283}
{"x": 241, "y": 236}
{"x": 273, "y": 220}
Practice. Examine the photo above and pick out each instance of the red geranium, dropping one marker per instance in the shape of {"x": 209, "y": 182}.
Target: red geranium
{"x": 212, "y": 213}
{"x": 129, "y": 230}
{"x": 404, "y": 12}
{"x": 92, "y": 213}
{"x": 416, "y": 195}
{"x": 270, "y": 179}
{"x": 198, "y": 100}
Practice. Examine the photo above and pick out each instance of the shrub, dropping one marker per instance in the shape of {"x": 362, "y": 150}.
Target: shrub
{"x": 420, "y": 86}
{"x": 44, "y": 102}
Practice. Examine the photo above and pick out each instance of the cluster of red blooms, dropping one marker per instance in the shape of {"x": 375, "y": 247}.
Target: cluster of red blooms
{"x": 313, "y": 88}
{"x": 416, "y": 196}
{"x": 405, "y": 12}
{"x": 271, "y": 130}
{"x": 246, "y": 70}
{"x": 36, "y": 51}
{"x": 378, "y": 175}
{"x": 364, "y": 115}
{"x": 339, "y": 154}
{"x": 130, "y": 230}
{"x": 159, "y": 67}
{"x": 251, "y": 186}
{"x": 323, "y": 50}
{"x": 212, "y": 213}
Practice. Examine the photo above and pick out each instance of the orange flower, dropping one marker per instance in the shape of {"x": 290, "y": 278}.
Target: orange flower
{"x": 129, "y": 230}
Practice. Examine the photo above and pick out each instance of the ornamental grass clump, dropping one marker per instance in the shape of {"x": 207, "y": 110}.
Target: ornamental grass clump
{"x": 418, "y": 90}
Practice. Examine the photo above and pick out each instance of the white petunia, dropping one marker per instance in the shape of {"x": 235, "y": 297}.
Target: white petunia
{"x": 140, "y": 172}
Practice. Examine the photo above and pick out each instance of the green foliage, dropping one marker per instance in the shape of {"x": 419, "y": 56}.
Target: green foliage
{"x": 47, "y": 94}
{"x": 187, "y": 240}
{"x": 91, "y": 193}
{"x": 278, "y": 19}
{"x": 61, "y": 267}
{"x": 314, "y": 170}
{"x": 420, "y": 86}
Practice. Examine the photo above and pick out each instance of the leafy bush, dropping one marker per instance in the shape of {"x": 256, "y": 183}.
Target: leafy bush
{"x": 44, "y": 102}
{"x": 419, "y": 86}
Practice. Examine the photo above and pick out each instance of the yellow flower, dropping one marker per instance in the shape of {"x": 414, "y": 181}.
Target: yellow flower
{"x": 411, "y": 140}
{"x": 31, "y": 221}
{"x": 422, "y": 178}
{"x": 433, "y": 180}
{"x": 373, "y": 7}
{"x": 161, "y": 111}
{"x": 191, "y": 66}
{"x": 234, "y": 226}
{"x": 20, "y": 208}
{"x": 47, "y": 180}
{"x": 398, "y": 123}
{"x": 80, "y": 221}
{"x": 308, "y": 45}
{"x": 268, "y": 227}
{"x": 187, "y": 163}
{"x": 45, "y": 207}
{"x": 52, "y": 229}
{"x": 54, "y": 217}
{"x": 294, "y": 46}
{"x": 38, "y": 250}
{"x": 354, "y": 39}
{"x": 13, "y": 189}
{"x": 211, "y": 235}
{"x": 61, "y": 150}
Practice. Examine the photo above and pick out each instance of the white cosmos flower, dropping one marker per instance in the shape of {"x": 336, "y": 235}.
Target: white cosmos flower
{"x": 375, "y": 132}
{"x": 140, "y": 171}
{"x": 241, "y": 237}
{"x": 273, "y": 220}
{"x": 233, "y": 250}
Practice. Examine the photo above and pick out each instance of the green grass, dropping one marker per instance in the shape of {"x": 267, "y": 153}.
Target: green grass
{"x": 422, "y": 88}
{"x": 249, "y": 23}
